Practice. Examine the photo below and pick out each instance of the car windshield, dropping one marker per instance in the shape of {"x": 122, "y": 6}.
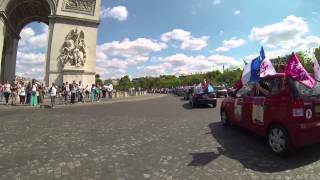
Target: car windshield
{"x": 304, "y": 91}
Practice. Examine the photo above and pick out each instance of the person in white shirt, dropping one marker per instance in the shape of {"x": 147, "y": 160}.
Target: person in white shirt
{"x": 110, "y": 90}
{"x": 53, "y": 95}
{"x": 22, "y": 93}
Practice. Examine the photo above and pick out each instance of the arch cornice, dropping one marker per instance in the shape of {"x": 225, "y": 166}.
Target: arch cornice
{"x": 52, "y": 4}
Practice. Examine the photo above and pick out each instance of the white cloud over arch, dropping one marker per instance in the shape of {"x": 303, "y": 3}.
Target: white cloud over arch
{"x": 188, "y": 42}
{"x": 119, "y": 13}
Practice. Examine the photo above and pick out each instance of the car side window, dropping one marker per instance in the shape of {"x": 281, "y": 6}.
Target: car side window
{"x": 275, "y": 86}
{"x": 244, "y": 91}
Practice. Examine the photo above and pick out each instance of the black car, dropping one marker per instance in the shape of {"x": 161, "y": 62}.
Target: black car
{"x": 203, "y": 99}
{"x": 187, "y": 93}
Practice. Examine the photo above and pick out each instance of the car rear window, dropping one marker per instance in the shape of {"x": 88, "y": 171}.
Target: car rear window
{"x": 307, "y": 92}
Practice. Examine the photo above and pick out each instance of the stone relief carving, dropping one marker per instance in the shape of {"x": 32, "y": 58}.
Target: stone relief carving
{"x": 73, "y": 51}
{"x": 80, "y": 6}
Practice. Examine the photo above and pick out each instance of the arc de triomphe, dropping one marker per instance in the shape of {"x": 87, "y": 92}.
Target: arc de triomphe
{"x": 71, "y": 51}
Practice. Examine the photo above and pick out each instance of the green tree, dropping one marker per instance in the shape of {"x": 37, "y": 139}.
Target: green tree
{"x": 98, "y": 80}
{"x": 317, "y": 53}
{"x": 125, "y": 83}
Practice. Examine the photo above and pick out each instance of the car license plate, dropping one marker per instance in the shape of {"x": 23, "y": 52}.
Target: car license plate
{"x": 317, "y": 109}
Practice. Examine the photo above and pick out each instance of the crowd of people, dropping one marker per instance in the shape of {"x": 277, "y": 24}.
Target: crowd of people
{"x": 34, "y": 93}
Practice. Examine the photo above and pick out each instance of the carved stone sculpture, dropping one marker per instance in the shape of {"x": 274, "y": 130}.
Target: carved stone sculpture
{"x": 84, "y": 6}
{"x": 73, "y": 51}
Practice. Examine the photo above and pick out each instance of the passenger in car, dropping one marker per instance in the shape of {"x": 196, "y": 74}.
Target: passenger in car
{"x": 262, "y": 89}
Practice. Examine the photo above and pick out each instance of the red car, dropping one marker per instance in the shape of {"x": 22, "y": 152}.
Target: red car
{"x": 284, "y": 111}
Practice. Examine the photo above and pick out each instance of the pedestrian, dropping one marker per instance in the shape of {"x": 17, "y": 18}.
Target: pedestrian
{"x": 22, "y": 93}
{"x": 87, "y": 91}
{"x": 104, "y": 91}
{"x": 93, "y": 93}
{"x": 53, "y": 94}
{"x": 40, "y": 93}
{"x": 29, "y": 92}
{"x": 7, "y": 91}
{"x": 1, "y": 91}
{"x": 67, "y": 92}
{"x": 98, "y": 93}
{"x": 73, "y": 90}
{"x": 110, "y": 90}
{"x": 80, "y": 92}
{"x": 34, "y": 99}
{"x": 14, "y": 93}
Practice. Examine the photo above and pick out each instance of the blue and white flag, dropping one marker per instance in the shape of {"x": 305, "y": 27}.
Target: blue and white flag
{"x": 266, "y": 67}
{"x": 251, "y": 71}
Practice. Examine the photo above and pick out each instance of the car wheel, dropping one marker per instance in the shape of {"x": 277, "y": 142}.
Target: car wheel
{"x": 193, "y": 105}
{"x": 224, "y": 118}
{"x": 278, "y": 140}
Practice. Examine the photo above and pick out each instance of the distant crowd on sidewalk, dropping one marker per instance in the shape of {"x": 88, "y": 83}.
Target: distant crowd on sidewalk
{"x": 34, "y": 93}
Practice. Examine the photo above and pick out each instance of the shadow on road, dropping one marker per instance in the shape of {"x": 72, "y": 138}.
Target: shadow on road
{"x": 252, "y": 151}
{"x": 200, "y": 106}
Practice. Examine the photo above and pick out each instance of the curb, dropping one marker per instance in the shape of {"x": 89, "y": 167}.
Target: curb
{"x": 59, "y": 106}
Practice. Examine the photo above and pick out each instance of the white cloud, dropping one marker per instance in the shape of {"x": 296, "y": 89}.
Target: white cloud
{"x": 188, "y": 42}
{"x": 31, "y": 53}
{"x": 127, "y": 48}
{"x": 230, "y": 44}
{"x": 30, "y": 64}
{"x": 183, "y": 64}
{"x": 279, "y": 34}
{"x": 114, "y": 58}
{"x": 119, "y": 13}
{"x": 282, "y": 38}
{"x": 216, "y": 2}
{"x": 31, "y": 40}
{"x": 236, "y": 12}
{"x": 154, "y": 70}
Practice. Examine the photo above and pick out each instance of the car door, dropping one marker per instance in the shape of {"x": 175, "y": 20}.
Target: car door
{"x": 268, "y": 108}
{"x": 239, "y": 106}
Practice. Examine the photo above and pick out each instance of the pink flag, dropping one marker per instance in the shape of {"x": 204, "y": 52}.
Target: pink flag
{"x": 295, "y": 70}
{"x": 316, "y": 67}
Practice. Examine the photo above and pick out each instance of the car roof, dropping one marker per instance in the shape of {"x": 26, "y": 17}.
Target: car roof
{"x": 277, "y": 75}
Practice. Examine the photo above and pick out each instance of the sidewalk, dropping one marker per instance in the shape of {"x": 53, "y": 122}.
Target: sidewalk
{"x": 60, "y": 103}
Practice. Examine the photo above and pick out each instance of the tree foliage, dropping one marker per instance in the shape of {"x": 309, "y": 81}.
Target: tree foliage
{"x": 125, "y": 84}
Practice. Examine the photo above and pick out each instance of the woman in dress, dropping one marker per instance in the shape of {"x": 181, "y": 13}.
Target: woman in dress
{"x": 34, "y": 99}
{"x": 93, "y": 93}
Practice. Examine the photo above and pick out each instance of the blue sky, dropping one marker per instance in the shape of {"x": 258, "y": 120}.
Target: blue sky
{"x": 149, "y": 38}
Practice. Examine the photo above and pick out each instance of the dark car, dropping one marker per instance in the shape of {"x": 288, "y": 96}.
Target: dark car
{"x": 203, "y": 99}
{"x": 188, "y": 91}
{"x": 179, "y": 92}
{"x": 221, "y": 91}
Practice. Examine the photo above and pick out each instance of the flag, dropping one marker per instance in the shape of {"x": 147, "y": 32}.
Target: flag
{"x": 251, "y": 71}
{"x": 245, "y": 62}
{"x": 266, "y": 67}
{"x": 262, "y": 54}
{"x": 295, "y": 70}
{"x": 316, "y": 67}
{"x": 255, "y": 70}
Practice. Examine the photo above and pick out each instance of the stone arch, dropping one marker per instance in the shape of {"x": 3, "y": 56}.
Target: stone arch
{"x": 62, "y": 17}
{"x": 15, "y": 15}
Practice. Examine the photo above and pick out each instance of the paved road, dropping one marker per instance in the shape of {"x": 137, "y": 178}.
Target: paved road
{"x": 153, "y": 139}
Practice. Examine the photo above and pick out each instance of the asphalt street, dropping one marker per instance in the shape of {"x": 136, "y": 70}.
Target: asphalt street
{"x": 159, "y": 138}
